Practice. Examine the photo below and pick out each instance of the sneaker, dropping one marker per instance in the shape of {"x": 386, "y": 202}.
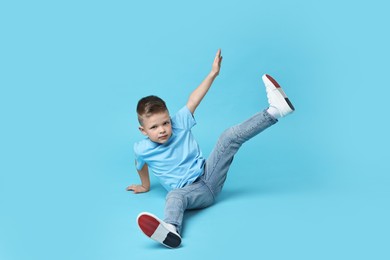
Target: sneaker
{"x": 158, "y": 230}
{"x": 276, "y": 96}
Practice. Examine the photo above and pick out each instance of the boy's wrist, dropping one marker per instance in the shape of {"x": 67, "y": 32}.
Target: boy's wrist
{"x": 213, "y": 74}
{"x": 146, "y": 187}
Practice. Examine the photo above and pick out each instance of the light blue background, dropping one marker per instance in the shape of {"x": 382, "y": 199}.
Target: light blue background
{"x": 315, "y": 186}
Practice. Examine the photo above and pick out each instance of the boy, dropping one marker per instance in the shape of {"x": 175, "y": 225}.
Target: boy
{"x": 174, "y": 157}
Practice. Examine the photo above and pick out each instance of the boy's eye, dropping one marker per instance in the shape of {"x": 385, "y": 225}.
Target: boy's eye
{"x": 153, "y": 127}
{"x": 167, "y": 123}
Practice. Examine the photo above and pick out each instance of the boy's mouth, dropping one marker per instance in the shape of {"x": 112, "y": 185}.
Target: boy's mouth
{"x": 163, "y": 137}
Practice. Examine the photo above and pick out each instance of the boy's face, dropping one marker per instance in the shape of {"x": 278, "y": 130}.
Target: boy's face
{"x": 157, "y": 127}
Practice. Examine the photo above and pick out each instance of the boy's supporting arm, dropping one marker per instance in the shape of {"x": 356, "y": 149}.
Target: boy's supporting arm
{"x": 145, "y": 181}
{"x": 198, "y": 94}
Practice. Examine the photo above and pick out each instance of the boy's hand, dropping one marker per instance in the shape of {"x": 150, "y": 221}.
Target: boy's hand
{"x": 217, "y": 63}
{"x": 198, "y": 94}
{"x": 137, "y": 188}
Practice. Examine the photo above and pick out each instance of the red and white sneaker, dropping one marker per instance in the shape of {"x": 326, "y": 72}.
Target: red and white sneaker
{"x": 158, "y": 230}
{"x": 276, "y": 97}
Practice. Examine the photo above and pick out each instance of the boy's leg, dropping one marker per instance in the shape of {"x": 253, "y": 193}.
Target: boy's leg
{"x": 194, "y": 196}
{"x": 219, "y": 161}
{"x": 167, "y": 232}
{"x": 230, "y": 141}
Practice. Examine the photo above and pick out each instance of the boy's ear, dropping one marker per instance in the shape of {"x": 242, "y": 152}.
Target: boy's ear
{"x": 142, "y": 129}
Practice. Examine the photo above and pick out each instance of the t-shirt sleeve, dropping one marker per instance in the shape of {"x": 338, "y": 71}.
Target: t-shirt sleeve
{"x": 184, "y": 118}
{"x": 139, "y": 162}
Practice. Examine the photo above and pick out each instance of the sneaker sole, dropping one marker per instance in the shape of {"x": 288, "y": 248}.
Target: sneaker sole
{"x": 275, "y": 85}
{"x": 154, "y": 228}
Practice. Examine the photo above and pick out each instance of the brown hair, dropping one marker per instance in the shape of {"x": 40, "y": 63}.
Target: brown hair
{"x": 150, "y": 105}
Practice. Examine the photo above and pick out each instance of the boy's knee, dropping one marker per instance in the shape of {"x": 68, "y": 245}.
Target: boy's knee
{"x": 228, "y": 136}
{"x": 176, "y": 197}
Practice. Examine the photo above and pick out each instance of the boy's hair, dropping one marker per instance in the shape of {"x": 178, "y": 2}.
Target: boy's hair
{"x": 147, "y": 106}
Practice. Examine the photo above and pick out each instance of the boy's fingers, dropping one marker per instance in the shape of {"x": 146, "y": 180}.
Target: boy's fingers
{"x": 131, "y": 187}
{"x": 218, "y": 54}
{"x": 136, "y": 191}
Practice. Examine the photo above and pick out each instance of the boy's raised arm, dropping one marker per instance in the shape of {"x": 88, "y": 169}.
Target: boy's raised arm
{"x": 198, "y": 94}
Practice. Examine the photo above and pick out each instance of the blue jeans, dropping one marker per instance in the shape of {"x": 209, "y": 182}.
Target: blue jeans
{"x": 203, "y": 191}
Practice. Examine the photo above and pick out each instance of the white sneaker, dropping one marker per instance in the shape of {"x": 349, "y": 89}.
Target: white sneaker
{"x": 276, "y": 97}
{"x": 158, "y": 230}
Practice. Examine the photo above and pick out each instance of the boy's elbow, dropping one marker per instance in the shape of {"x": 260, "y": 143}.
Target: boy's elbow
{"x": 191, "y": 106}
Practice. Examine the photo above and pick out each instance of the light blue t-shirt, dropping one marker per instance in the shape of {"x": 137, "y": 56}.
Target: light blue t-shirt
{"x": 177, "y": 162}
